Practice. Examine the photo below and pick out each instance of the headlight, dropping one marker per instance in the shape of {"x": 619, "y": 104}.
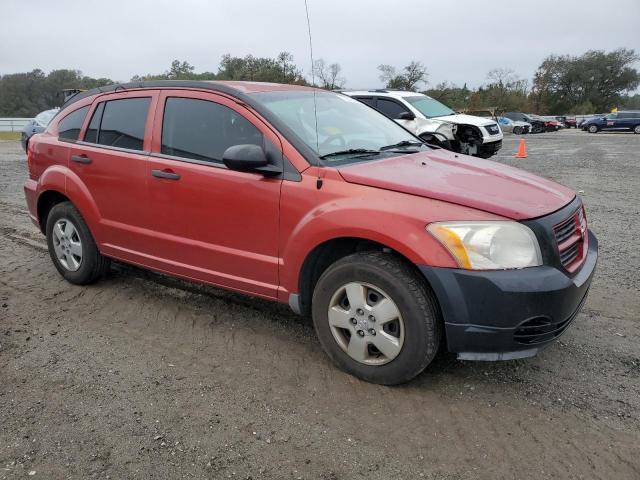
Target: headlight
{"x": 490, "y": 245}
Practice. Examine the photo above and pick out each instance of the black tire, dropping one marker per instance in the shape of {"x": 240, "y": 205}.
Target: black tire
{"x": 93, "y": 265}
{"x": 517, "y": 130}
{"x": 415, "y": 301}
{"x": 636, "y": 129}
{"x": 592, "y": 129}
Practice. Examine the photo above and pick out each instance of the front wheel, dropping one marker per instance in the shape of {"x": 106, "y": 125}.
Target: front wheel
{"x": 636, "y": 129}
{"x": 72, "y": 247}
{"x": 376, "y": 318}
{"x": 593, "y": 129}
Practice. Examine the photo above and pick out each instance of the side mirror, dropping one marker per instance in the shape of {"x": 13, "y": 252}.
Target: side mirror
{"x": 249, "y": 158}
{"x": 406, "y": 116}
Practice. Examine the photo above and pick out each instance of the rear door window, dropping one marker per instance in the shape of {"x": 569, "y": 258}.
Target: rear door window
{"x": 69, "y": 127}
{"x": 120, "y": 123}
{"x": 203, "y": 130}
{"x": 91, "y": 135}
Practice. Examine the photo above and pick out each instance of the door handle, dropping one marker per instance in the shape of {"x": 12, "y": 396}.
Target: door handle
{"x": 80, "y": 159}
{"x": 169, "y": 175}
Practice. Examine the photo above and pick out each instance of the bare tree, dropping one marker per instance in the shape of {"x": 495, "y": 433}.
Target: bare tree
{"x": 502, "y": 77}
{"x": 414, "y": 74}
{"x": 329, "y": 75}
{"x": 387, "y": 73}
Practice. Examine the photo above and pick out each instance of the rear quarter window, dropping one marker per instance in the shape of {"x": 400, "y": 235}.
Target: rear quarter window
{"x": 69, "y": 127}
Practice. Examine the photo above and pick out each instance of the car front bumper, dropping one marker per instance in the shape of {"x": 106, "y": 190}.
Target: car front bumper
{"x": 509, "y": 314}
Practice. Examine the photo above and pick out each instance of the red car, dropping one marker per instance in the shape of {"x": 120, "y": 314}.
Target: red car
{"x": 311, "y": 198}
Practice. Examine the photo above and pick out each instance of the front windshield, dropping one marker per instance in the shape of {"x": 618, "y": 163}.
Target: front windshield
{"x": 428, "y": 106}
{"x": 344, "y": 124}
{"x": 43, "y": 118}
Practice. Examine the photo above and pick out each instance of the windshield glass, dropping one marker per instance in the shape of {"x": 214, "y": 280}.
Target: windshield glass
{"x": 344, "y": 124}
{"x": 43, "y": 118}
{"x": 428, "y": 106}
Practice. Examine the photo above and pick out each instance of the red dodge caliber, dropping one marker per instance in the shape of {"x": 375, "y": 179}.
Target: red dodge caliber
{"x": 311, "y": 198}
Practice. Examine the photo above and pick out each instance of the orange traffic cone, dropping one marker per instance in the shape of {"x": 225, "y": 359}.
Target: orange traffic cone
{"x": 522, "y": 150}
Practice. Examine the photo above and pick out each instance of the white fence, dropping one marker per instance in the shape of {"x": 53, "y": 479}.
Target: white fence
{"x": 13, "y": 124}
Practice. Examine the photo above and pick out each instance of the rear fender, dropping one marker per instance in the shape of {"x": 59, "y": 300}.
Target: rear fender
{"x": 63, "y": 180}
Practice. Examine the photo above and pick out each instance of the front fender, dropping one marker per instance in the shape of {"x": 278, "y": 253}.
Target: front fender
{"x": 376, "y": 219}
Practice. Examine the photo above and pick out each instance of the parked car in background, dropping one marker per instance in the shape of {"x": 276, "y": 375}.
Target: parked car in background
{"x": 513, "y": 126}
{"x": 552, "y": 124}
{"x": 568, "y": 121}
{"x": 618, "y": 121}
{"x": 37, "y": 125}
{"x": 309, "y": 198}
{"x": 537, "y": 124}
{"x": 434, "y": 122}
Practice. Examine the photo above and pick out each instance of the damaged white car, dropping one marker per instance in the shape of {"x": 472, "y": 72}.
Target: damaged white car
{"x": 434, "y": 122}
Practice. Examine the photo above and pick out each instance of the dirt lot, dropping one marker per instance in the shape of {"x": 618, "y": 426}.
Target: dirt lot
{"x": 144, "y": 376}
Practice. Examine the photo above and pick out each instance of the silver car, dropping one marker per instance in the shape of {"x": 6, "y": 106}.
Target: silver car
{"x": 513, "y": 126}
{"x": 37, "y": 125}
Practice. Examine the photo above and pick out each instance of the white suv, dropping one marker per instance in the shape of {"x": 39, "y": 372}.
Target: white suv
{"x": 434, "y": 122}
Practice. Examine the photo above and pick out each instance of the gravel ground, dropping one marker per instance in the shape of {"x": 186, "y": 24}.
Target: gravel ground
{"x": 145, "y": 376}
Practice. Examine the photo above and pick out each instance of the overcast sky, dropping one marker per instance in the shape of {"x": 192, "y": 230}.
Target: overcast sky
{"x": 457, "y": 41}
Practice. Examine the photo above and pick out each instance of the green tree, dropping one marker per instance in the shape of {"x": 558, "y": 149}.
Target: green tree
{"x": 27, "y": 94}
{"x": 281, "y": 69}
{"x": 562, "y": 83}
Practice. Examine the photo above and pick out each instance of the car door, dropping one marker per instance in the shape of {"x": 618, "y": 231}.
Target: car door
{"x": 611, "y": 122}
{"x": 625, "y": 121}
{"x": 394, "y": 109}
{"x": 208, "y": 222}
{"x": 110, "y": 161}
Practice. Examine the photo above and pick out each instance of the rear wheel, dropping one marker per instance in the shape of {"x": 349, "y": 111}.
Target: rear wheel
{"x": 376, "y": 318}
{"x": 593, "y": 129}
{"x": 72, "y": 247}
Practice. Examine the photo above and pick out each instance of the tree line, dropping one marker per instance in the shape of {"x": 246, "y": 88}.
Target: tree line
{"x": 594, "y": 82}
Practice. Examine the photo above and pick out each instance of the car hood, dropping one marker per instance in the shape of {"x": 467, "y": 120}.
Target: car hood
{"x": 462, "y": 118}
{"x": 428, "y": 125}
{"x": 464, "y": 180}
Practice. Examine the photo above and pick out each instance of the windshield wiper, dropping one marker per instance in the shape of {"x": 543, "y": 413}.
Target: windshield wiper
{"x": 350, "y": 151}
{"x": 403, "y": 143}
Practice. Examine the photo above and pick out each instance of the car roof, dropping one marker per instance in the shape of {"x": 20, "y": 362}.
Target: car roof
{"x": 231, "y": 87}
{"x": 383, "y": 92}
